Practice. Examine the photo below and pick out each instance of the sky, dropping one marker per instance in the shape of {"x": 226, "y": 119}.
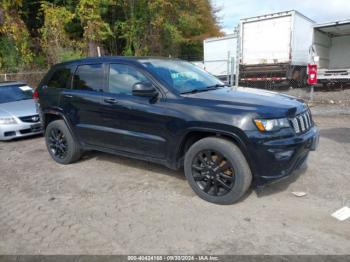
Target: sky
{"x": 318, "y": 10}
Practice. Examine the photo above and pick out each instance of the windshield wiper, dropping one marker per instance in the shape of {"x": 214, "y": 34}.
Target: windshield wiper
{"x": 207, "y": 88}
{"x": 21, "y": 99}
{"x": 193, "y": 91}
{"x": 216, "y": 86}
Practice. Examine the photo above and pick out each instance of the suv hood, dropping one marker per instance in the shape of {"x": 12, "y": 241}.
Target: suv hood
{"x": 18, "y": 108}
{"x": 265, "y": 103}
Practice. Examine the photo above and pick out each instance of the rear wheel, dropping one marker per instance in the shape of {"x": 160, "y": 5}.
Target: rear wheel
{"x": 217, "y": 170}
{"x": 61, "y": 144}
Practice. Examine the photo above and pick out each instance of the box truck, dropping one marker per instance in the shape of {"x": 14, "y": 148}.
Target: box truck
{"x": 274, "y": 49}
{"x": 331, "y": 52}
{"x": 220, "y": 55}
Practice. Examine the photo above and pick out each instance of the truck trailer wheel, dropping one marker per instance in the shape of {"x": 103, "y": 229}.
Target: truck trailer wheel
{"x": 299, "y": 78}
{"x": 217, "y": 170}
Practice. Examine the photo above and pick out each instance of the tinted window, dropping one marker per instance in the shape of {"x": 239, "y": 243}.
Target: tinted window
{"x": 123, "y": 77}
{"x": 181, "y": 75}
{"x": 15, "y": 93}
{"x": 89, "y": 77}
{"x": 61, "y": 78}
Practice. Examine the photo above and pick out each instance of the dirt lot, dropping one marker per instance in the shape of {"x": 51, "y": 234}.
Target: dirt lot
{"x": 111, "y": 205}
{"x": 332, "y": 96}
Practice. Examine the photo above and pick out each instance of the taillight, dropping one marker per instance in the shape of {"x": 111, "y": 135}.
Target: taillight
{"x": 36, "y": 94}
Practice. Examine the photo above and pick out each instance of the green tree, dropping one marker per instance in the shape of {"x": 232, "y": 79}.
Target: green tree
{"x": 95, "y": 28}
{"x": 66, "y": 29}
{"x": 165, "y": 27}
{"x": 55, "y": 40}
{"x": 15, "y": 31}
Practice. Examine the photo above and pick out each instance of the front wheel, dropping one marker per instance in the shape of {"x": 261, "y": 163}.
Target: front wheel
{"x": 61, "y": 144}
{"x": 217, "y": 170}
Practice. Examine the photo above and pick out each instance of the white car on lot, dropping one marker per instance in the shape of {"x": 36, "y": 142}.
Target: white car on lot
{"x": 18, "y": 114}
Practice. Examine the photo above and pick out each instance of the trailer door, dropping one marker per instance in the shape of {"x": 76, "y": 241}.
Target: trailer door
{"x": 267, "y": 41}
{"x": 216, "y": 54}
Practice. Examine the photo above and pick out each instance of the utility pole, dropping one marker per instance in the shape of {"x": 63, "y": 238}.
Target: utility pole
{"x": 238, "y": 55}
{"x": 228, "y": 67}
{"x": 232, "y": 71}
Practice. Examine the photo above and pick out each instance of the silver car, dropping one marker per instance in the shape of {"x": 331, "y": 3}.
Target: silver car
{"x": 18, "y": 113}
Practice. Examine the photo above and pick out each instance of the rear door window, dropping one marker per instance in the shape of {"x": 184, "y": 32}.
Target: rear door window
{"x": 89, "y": 77}
{"x": 61, "y": 78}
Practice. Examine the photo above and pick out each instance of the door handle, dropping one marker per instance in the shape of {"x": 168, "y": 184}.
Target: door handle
{"x": 68, "y": 96}
{"x": 111, "y": 100}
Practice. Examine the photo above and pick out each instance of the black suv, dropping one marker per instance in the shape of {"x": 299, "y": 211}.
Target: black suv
{"x": 173, "y": 113}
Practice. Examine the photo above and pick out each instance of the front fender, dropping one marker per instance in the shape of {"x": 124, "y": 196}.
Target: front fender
{"x": 234, "y": 134}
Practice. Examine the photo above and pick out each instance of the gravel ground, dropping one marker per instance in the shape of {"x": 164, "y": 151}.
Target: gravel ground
{"x": 340, "y": 97}
{"x": 107, "y": 204}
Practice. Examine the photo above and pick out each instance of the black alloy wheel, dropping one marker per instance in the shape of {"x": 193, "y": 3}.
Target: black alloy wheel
{"x": 217, "y": 170}
{"x": 58, "y": 143}
{"x": 213, "y": 173}
{"x": 61, "y": 144}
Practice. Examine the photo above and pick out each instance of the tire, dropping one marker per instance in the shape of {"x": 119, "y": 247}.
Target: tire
{"x": 296, "y": 81}
{"x": 239, "y": 173}
{"x": 64, "y": 150}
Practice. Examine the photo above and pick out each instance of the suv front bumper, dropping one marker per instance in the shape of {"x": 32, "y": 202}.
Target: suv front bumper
{"x": 278, "y": 158}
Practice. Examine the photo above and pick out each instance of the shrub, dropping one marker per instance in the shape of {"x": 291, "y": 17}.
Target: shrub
{"x": 10, "y": 59}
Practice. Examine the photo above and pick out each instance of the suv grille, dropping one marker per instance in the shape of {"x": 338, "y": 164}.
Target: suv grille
{"x": 302, "y": 123}
{"x": 30, "y": 119}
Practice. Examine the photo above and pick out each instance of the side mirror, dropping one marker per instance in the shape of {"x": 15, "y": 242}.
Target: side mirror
{"x": 145, "y": 89}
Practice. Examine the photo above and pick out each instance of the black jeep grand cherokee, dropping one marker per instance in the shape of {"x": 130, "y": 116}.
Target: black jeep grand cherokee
{"x": 171, "y": 112}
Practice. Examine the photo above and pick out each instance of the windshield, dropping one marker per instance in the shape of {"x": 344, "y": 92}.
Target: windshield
{"x": 15, "y": 93}
{"x": 182, "y": 76}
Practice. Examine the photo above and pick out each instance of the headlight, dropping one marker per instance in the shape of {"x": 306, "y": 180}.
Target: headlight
{"x": 7, "y": 121}
{"x": 271, "y": 124}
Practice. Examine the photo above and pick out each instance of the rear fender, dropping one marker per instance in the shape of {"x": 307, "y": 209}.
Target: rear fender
{"x": 58, "y": 113}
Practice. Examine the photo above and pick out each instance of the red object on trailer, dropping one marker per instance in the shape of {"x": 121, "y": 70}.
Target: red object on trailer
{"x": 312, "y": 74}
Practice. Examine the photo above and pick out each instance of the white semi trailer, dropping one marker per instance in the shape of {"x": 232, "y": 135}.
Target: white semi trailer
{"x": 331, "y": 52}
{"x": 220, "y": 55}
{"x": 274, "y": 49}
